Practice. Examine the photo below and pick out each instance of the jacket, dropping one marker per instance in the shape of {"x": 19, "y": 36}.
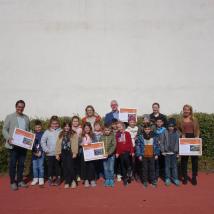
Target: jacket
{"x": 9, "y": 126}
{"x": 140, "y": 146}
{"x": 109, "y": 143}
{"x": 74, "y": 140}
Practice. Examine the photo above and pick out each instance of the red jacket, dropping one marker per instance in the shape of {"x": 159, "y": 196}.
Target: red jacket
{"x": 124, "y": 145}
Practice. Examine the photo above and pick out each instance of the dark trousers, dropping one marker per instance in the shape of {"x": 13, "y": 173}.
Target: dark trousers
{"x": 77, "y": 163}
{"x": 54, "y": 168}
{"x": 117, "y": 167}
{"x": 184, "y": 163}
{"x": 68, "y": 165}
{"x": 87, "y": 169}
{"x": 125, "y": 165}
{"x": 16, "y": 163}
{"x": 148, "y": 165}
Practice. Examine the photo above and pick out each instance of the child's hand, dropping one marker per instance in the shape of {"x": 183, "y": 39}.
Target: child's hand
{"x": 132, "y": 154}
{"x": 140, "y": 158}
{"x": 117, "y": 155}
{"x": 58, "y": 157}
{"x": 156, "y": 157}
{"x": 74, "y": 156}
{"x": 105, "y": 155}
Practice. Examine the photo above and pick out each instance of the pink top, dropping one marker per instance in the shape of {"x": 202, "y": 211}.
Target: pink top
{"x": 86, "y": 139}
{"x": 78, "y": 130}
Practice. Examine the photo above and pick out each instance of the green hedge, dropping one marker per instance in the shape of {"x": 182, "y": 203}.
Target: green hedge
{"x": 206, "y": 122}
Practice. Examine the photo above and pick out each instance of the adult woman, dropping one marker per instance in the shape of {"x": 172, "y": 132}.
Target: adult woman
{"x": 189, "y": 127}
{"x": 91, "y": 116}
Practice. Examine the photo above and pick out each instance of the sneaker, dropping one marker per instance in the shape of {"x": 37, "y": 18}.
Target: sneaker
{"x": 129, "y": 180}
{"x": 177, "y": 182}
{"x": 93, "y": 184}
{"x": 57, "y": 182}
{"x": 22, "y": 184}
{"x": 34, "y": 182}
{"x": 13, "y": 186}
{"x": 167, "y": 182}
{"x": 50, "y": 182}
{"x": 119, "y": 178}
{"x": 154, "y": 184}
{"x": 194, "y": 181}
{"x": 125, "y": 182}
{"x": 111, "y": 182}
{"x": 73, "y": 185}
{"x": 86, "y": 184}
{"x": 41, "y": 181}
{"x": 145, "y": 184}
{"x": 78, "y": 178}
{"x": 106, "y": 183}
{"x": 66, "y": 186}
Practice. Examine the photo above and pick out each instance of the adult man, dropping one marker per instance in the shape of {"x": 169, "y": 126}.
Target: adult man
{"x": 114, "y": 114}
{"x": 156, "y": 114}
{"x": 17, "y": 154}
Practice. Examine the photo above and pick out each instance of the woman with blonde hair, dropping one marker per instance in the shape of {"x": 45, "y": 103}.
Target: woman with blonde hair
{"x": 189, "y": 128}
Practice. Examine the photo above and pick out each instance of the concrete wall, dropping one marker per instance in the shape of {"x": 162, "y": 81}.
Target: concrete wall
{"x": 60, "y": 55}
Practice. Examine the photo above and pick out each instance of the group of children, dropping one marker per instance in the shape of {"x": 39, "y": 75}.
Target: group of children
{"x": 131, "y": 152}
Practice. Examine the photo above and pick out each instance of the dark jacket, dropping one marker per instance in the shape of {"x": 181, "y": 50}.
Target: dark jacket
{"x": 162, "y": 116}
{"x": 109, "y": 118}
{"x": 169, "y": 142}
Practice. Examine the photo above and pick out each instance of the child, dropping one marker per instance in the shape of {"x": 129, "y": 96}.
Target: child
{"x": 98, "y": 163}
{"x": 124, "y": 149}
{"x": 67, "y": 148}
{"x": 48, "y": 143}
{"x": 114, "y": 126}
{"x": 97, "y": 131}
{"x": 169, "y": 143}
{"x": 117, "y": 168}
{"x": 87, "y": 167}
{"x": 159, "y": 163}
{"x": 75, "y": 124}
{"x": 133, "y": 130}
{"x": 108, "y": 164}
{"x": 147, "y": 151}
{"x": 38, "y": 156}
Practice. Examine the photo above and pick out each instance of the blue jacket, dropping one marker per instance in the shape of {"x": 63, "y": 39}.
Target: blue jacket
{"x": 108, "y": 118}
{"x": 139, "y": 146}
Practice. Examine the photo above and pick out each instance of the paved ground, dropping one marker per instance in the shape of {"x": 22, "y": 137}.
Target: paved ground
{"x": 125, "y": 200}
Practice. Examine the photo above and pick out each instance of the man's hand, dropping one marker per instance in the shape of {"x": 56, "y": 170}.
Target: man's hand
{"x": 10, "y": 140}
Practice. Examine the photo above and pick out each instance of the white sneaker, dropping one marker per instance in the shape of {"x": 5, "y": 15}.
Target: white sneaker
{"x": 86, "y": 184}
{"x": 35, "y": 181}
{"x": 66, "y": 186}
{"x": 73, "y": 185}
{"x": 41, "y": 181}
{"x": 119, "y": 178}
{"x": 78, "y": 178}
{"x": 93, "y": 183}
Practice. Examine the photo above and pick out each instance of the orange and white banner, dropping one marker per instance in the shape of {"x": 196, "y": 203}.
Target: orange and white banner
{"x": 127, "y": 114}
{"x": 94, "y": 151}
{"x": 190, "y": 146}
{"x": 23, "y": 138}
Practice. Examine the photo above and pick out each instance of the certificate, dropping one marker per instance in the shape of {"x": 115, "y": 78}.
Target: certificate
{"x": 23, "y": 138}
{"x": 125, "y": 114}
{"x": 190, "y": 146}
{"x": 94, "y": 151}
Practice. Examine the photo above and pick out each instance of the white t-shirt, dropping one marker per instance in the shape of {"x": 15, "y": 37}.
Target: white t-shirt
{"x": 133, "y": 133}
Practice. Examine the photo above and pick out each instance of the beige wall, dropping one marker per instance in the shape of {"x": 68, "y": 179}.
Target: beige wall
{"x": 60, "y": 55}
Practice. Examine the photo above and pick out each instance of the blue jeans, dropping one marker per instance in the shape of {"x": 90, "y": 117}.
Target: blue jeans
{"x": 171, "y": 164}
{"x": 108, "y": 165}
{"x": 38, "y": 167}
